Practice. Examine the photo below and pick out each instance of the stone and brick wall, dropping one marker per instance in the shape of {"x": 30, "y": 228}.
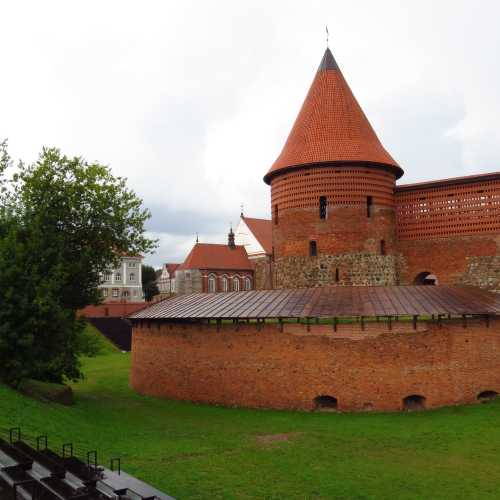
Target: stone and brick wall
{"x": 263, "y": 273}
{"x": 359, "y": 226}
{"x": 375, "y": 368}
{"x": 451, "y": 229}
{"x": 346, "y": 269}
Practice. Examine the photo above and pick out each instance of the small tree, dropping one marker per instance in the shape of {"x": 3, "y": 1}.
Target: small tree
{"x": 149, "y": 286}
{"x": 63, "y": 222}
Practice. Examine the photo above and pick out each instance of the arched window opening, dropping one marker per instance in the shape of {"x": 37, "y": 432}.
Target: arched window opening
{"x": 225, "y": 284}
{"x": 248, "y": 284}
{"x": 325, "y": 402}
{"x": 337, "y": 275}
{"x": 414, "y": 402}
{"x": 211, "y": 283}
{"x": 236, "y": 284}
{"x": 486, "y": 396}
{"x": 426, "y": 278}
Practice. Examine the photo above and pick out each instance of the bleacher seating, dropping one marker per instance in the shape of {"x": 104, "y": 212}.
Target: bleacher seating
{"x": 39, "y": 473}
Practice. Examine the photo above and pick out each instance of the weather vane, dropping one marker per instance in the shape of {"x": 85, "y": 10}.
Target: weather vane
{"x": 241, "y": 207}
{"x": 327, "y": 35}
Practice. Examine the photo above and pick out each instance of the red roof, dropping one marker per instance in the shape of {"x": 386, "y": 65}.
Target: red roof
{"x": 262, "y": 229}
{"x": 216, "y": 256}
{"x": 171, "y": 268}
{"x": 331, "y": 127}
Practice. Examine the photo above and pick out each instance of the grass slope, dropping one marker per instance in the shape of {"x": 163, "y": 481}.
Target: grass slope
{"x": 95, "y": 342}
{"x": 195, "y": 451}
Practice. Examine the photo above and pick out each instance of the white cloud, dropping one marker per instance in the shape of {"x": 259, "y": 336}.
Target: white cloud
{"x": 192, "y": 101}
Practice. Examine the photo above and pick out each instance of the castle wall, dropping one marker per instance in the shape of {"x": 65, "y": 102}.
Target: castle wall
{"x": 263, "y": 273}
{"x": 451, "y": 229}
{"x": 354, "y": 234}
{"x": 373, "y": 368}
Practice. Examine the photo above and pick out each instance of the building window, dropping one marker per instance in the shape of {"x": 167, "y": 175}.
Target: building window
{"x": 248, "y": 284}
{"x": 131, "y": 264}
{"x": 134, "y": 293}
{"x": 211, "y": 284}
{"x": 382, "y": 247}
{"x": 369, "y": 206}
{"x": 337, "y": 275}
{"x": 104, "y": 292}
{"x": 107, "y": 276}
{"x": 118, "y": 276}
{"x": 276, "y": 214}
{"x": 132, "y": 276}
{"x": 125, "y": 293}
{"x": 115, "y": 292}
{"x": 225, "y": 284}
{"x": 236, "y": 284}
{"x": 313, "y": 248}
{"x": 323, "y": 210}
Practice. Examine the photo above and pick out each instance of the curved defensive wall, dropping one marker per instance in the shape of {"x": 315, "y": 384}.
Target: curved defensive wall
{"x": 337, "y": 348}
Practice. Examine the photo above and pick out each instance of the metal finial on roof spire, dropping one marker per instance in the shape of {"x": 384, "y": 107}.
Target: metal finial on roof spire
{"x": 197, "y": 238}
{"x": 327, "y": 35}
{"x": 241, "y": 210}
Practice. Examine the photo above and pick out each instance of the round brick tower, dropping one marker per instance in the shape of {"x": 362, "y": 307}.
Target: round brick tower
{"x": 332, "y": 193}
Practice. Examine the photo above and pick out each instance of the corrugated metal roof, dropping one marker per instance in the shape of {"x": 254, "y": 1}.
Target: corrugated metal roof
{"x": 327, "y": 302}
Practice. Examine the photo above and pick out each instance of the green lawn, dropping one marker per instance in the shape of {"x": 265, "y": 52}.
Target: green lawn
{"x": 195, "y": 451}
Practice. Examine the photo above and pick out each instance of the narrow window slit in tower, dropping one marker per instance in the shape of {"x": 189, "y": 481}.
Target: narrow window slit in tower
{"x": 369, "y": 206}
{"x": 313, "y": 248}
{"x": 382, "y": 247}
{"x": 323, "y": 210}
{"x": 276, "y": 213}
{"x": 337, "y": 275}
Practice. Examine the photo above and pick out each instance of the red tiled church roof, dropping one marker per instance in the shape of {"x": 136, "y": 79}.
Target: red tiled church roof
{"x": 216, "y": 256}
{"x": 331, "y": 127}
{"x": 262, "y": 229}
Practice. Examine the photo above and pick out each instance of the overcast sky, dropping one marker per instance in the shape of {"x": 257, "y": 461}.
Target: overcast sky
{"x": 192, "y": 101}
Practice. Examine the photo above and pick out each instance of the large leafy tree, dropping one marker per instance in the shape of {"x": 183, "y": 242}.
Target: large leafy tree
{"x": 63, "y": 222}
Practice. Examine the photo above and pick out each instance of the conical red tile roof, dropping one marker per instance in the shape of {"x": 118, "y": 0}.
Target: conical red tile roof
{"x": 331, "y": 127}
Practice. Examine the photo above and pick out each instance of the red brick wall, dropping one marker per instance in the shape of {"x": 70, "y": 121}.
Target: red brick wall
{"x": 112, "y": 309}
{"x": 448, "y": 258}
{"x": 267, "y": 368}
{"x": 440, "y": 211}
{"x": 347, "y": 229}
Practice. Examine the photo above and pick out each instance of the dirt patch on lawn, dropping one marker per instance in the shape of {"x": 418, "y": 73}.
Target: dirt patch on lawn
{"x": 276, "y": 438}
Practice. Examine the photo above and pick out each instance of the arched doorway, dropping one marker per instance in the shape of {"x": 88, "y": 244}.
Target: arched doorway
{"x": 485, "y": 396}
{"x": 325, "y": 403}
{"x": 426, "y": 278}
{"x": 414, "y": 402}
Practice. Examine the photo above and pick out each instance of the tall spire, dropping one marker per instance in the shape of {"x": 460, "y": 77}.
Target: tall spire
{"x": 331, "y": 127}
{"x": 230, "y": 238}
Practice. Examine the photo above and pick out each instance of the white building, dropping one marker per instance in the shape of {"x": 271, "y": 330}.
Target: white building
{"x": 166, "y": 282}
{"x": 124, "y": 283}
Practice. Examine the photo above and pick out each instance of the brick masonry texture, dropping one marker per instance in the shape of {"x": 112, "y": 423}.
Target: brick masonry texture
{"x": 112, "y": 309}
{"x": 451, "y": 231}
{"x": 469, "y": 260}
{"x": 375, "y": 368}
